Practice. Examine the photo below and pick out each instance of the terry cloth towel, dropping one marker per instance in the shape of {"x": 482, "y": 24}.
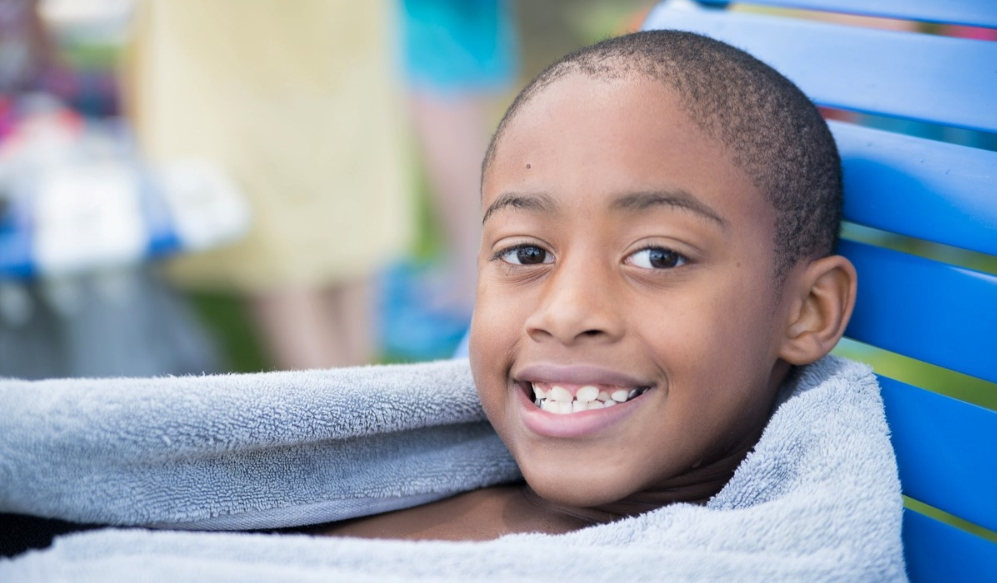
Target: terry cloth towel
{"x": 818, "y": 499}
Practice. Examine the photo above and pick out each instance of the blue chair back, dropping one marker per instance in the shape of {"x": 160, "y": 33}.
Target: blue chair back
{"x": 916, "y": 194}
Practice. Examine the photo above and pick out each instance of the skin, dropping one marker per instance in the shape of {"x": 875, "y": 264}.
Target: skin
{"x": 622, "y": 247}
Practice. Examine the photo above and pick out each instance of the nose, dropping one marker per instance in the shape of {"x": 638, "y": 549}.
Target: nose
{"x": 578, "y": 305}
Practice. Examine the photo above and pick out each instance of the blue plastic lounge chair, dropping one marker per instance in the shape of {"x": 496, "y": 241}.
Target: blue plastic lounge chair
{"x": 923, "y": 189}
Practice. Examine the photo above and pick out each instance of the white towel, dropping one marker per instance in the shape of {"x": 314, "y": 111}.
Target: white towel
{"x": 818, "y": 499}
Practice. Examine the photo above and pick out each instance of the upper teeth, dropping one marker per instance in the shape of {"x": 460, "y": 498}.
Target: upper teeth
{"x": 557, "y": 399}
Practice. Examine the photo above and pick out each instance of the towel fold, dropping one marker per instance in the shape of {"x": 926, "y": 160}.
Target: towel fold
{"x": 251, "y": 451}
{"x": 818, "y": 499}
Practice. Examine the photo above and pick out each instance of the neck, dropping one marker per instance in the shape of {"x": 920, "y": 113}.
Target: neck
{"x": 695, "y": 486}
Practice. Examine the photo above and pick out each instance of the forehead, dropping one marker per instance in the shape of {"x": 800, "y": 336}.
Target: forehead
{"x": 592, "y": 138}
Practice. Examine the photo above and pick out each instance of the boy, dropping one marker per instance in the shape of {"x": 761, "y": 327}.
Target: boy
{"x": 660, "y": 216}
{"x": 659, "y": 219}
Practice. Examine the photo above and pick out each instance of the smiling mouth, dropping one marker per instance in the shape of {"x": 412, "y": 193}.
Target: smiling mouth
{"x": 564, "y": 398}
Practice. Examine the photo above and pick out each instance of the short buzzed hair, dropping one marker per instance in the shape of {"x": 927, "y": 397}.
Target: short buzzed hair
{"x": 771, "y": 130}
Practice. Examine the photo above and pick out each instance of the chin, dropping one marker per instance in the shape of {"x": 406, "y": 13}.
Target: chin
{"x": 584, "y": 489}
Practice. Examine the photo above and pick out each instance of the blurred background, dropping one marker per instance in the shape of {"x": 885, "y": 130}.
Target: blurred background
{"x": 208, "y": 186}
{"x": 193, "y": 186}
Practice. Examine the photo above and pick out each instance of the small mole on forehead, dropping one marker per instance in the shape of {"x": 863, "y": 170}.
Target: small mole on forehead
{"x": 528, "y": 166}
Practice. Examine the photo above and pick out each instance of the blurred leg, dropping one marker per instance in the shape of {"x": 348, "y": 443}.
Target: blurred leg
{"x": 295, "y": 329}
{"x": 352, "y": 306}
{"x": 305, "y": 328}
{"x": 453, "y": 136}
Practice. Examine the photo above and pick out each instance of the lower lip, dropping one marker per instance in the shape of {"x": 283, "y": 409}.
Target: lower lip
{"x": 580, "y": 424}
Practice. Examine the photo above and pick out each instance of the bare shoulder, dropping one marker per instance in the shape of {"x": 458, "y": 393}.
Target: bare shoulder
{"x": 483, "y": 514}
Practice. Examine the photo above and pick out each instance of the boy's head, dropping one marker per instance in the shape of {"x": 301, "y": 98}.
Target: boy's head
{"x": 660, "y": 213}
{"x": 764, "y": 122}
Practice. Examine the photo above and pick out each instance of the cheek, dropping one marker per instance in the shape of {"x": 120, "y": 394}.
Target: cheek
{"x": 495, "y": 329}
{"x": 493, "y": 326}
{"x": 500, "y": 313}
{"x": 715, "y": 346}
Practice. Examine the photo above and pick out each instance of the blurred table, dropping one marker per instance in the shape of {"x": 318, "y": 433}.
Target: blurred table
{"x": 82, "y": 221}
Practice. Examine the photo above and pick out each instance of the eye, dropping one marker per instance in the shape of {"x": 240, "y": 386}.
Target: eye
{"x": 526, "y": 255}
{"x": 657, "y": 258}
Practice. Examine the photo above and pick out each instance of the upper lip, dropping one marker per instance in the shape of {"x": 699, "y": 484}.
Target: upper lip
{"x": 580, "y": 374}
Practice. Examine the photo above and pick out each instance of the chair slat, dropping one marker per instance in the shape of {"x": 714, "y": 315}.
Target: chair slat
{"x": 968, "y": 12}
{"x": 917, "y": 76}
{"x": 925, "y": 309}
{"x": 919, "y": 188}
{"x": 945, "y": 451}
{"x": 935, "y": 551}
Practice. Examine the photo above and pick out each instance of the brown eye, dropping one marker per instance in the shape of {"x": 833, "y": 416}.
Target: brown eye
{"x": 657, "y": 258}
{"x": 526, "y": 255}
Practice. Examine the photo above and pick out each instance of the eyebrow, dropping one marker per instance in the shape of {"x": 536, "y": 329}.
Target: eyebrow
{"x": 633, "y": 202}
{"x": 537, "y": 202}
{"x": 678, "y": 198}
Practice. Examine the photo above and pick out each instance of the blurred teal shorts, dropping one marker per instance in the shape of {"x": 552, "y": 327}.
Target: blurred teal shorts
{"x": 459, "y": 45}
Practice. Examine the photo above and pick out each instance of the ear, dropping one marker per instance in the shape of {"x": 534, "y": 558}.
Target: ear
{"x": 823, "y": 296}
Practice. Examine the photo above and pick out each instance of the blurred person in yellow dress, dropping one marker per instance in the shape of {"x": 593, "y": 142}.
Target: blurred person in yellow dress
{"x": 296, "y": 101}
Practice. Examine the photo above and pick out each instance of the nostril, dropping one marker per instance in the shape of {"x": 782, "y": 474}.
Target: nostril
{"x": 572, "y": 316}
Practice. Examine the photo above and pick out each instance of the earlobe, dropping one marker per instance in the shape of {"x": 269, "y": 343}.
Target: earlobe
{"x": 825, "y": 297}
